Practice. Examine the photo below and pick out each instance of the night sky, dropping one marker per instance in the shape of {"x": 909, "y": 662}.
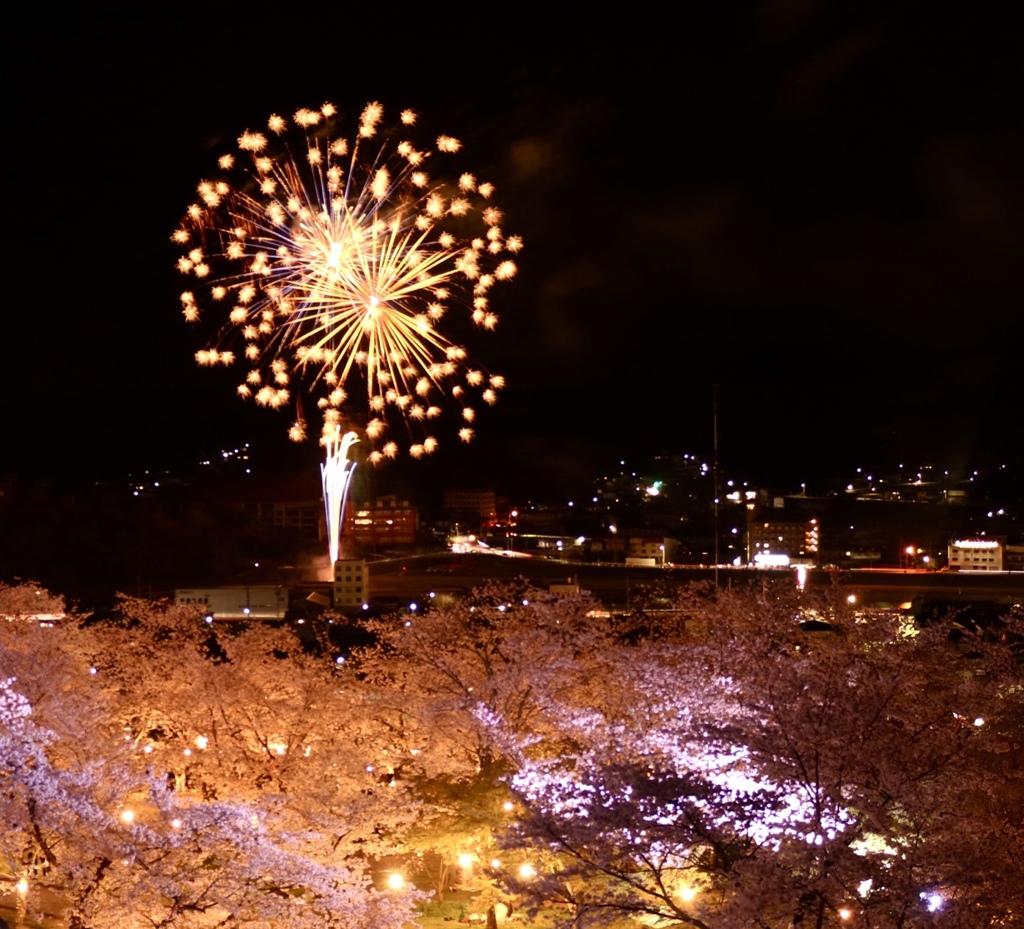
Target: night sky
{"x": 817, "y": 207}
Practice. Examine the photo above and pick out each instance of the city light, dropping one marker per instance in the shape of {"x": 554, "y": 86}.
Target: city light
{"x": 933, "y": 901}
{"x": 801, "y": 576}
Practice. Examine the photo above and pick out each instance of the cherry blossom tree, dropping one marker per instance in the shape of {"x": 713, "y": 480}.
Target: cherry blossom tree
{"x": 85, "y": 739}
{"x": 248, "y": 712}
{"x": 742, "y": 770}
{"x": 429, "y": 672}
{"x": 28, "y": 600}
{"x": 423, "y": 681}
{"x": 745, "y": 758}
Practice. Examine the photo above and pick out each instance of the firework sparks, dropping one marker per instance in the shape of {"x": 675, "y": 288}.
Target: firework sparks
{"x": 336, "y": 258}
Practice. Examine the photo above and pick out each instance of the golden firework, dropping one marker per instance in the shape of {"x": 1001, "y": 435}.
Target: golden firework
{"x": 336, "y": 258}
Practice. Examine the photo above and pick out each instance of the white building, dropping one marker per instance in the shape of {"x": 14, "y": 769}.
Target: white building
{"x": 976, "y": 555}
{"x": 351, "y": 583}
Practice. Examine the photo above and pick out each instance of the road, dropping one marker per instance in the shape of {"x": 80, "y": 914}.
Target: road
{"x": 411, "y": 579}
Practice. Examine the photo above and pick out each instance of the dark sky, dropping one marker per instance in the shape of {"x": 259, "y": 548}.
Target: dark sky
{"x": 816, "y": 206}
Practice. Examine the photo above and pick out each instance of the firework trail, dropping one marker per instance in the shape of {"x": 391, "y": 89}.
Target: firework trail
{"x": 335, "y": 478}
{"x": 336, "y": 260}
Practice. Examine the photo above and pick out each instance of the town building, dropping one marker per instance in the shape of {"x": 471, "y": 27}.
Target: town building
{"x": 474, "y": 508}
{"x": 289, "y": 502}
{"x": 658, "y": 548}
{"x": 794, "y": 536}
{"x": 1013, "y": 557}
{"x": 351, "y": 584}
{"x": 977, "y": 554}
{"x": 385, "y": 523}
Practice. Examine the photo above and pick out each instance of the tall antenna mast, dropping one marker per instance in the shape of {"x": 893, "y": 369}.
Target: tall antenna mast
{"x": 714, "y": 468}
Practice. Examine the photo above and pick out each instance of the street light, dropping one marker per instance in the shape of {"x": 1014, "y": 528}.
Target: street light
{"x": 22, "y": 900}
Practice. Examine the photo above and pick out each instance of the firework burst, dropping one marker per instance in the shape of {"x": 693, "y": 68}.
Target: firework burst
{"x": 335, "y": 258}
